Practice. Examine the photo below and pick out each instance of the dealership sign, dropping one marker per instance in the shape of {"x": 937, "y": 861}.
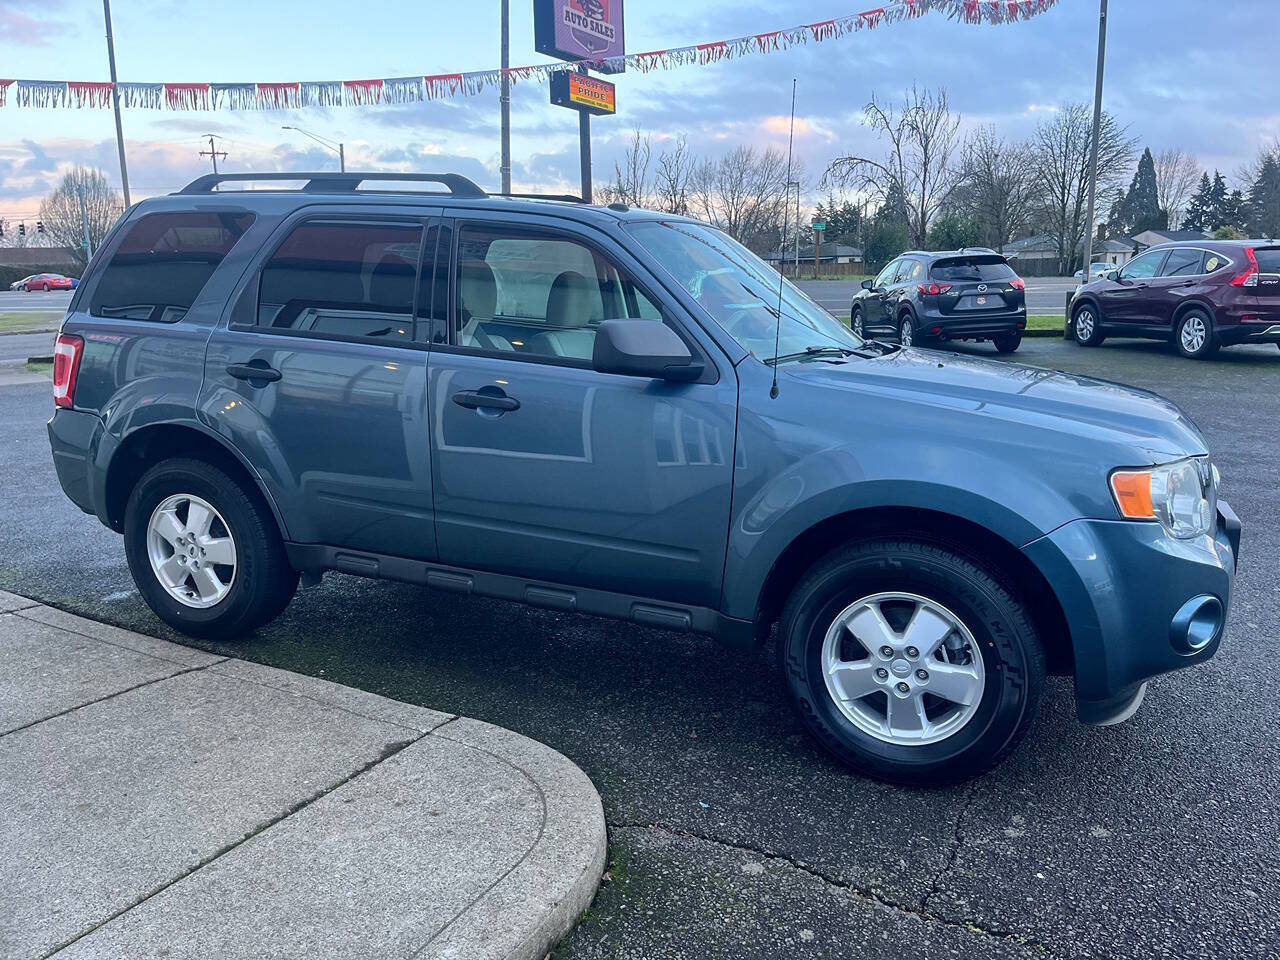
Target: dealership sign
{"x": 582, "y": 92}
{"x": 579, "y": 30}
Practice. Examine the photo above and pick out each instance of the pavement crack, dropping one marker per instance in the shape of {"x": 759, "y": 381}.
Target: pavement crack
{"x": 390, "y": 750}
{"x": 953, "y": 854}
{"x": 862, "y": 893}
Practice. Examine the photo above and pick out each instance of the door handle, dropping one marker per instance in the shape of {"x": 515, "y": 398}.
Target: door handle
{"x": 477, "y": 399}
{"x": 254, "y": 370}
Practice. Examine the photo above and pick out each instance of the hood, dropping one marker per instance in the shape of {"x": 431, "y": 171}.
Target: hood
{"x": 1034, "y": 396}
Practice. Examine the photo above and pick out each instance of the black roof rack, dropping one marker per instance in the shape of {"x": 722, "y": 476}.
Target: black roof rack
{"x": 566, "y": 197}
{"x": 458, "y": 185}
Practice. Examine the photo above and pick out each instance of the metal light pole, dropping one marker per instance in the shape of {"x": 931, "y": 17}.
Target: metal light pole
{"x": 333, "y": 145}
{"x": 1097, "y": 127}
{"x": 115, "y": 102}
{"x": 504, "y": 99}
{"x": 584, "y": 148}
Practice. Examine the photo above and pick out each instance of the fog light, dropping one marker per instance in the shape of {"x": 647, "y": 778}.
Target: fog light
{"x": 1196, "y": 624}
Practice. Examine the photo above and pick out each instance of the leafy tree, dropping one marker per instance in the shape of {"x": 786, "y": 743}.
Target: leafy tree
{"x": 1228, "y": 233}
{"x": 1264, "y": 199}
{"x": 953, "y": 231}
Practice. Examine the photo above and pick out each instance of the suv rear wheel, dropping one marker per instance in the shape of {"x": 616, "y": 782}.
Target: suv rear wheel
{"x": 1084, "y": 323}
{"x": 910, "y": 663}
{"x": 906, "y": 330}
{"x": 1194, "y": 336}
{"x": 1007, "y": 342}
{"x": 205, "y": 553}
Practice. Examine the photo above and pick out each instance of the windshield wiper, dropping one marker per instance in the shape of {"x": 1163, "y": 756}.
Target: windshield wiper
{"x": 815, "y": 352}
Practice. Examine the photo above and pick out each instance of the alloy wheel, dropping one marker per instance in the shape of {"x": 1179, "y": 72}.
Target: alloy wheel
{"x": 1084, "y": 324}
{"x": 191, "y": 550}
{"x": 903, "y": 668}
{"x": 1193, "y": 334}
{"x": 907, "y": 332}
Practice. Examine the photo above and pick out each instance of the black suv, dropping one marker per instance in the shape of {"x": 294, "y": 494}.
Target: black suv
{"x": 925, "y": 298}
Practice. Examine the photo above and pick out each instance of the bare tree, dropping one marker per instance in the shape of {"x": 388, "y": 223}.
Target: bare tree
{"x": 923, "y": 136}
{"x": 999, "y": 189}
{"x": 1177, "y": 173}
{"x": 744, "y": 193}
{"x": 60, "y": 210}
{"x": 631, "y": 174}
{"x": 672, "y": 182}
{"x": 1061, "y": 148}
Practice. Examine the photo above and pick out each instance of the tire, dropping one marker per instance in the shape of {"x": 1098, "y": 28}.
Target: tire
{"x": 257, "y": 585}
{"x": 906, "y": 330}
{"x": 1085, "y": 325}
{"x": 1194, "y": 335}
{"x": 1000, "y": 655}
{"x": 1007, "y": 342}
{"x": 855, "y": 322}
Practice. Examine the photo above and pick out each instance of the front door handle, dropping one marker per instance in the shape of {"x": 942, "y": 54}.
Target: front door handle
{"x": 254, "y": 370}
{"x": 486, "y": 398}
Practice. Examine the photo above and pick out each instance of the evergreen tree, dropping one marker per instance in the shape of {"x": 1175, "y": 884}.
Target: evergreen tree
{"x": 953, "y": 231}
{"x": 1263, "y": 208}
{"x": 1197, "y": 216}
{"x": 1235, "y": 211}
{"x": 1216, "y": 209}
{"x": 1138, "y": 209}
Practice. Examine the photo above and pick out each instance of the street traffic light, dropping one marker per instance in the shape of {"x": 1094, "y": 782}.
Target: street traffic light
{"x": 39, "y": 226}
{"x": 22, "y": 229}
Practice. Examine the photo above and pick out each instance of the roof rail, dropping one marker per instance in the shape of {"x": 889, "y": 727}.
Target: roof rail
{"x": 458, "y": 185}
{"x": 566, "y": 197}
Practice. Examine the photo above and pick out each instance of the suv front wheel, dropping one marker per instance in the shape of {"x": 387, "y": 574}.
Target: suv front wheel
{"x": 911, "y": 663}
{"x": 1085, "y": 326}
{"x": 205, "y": 553}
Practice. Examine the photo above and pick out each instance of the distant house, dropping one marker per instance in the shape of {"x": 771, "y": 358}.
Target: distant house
{"x": 1038, "y": 256}
{"x": 38, "y": 257}
{"x": 850, "y": 258}
{"x": 1149, "y": 238}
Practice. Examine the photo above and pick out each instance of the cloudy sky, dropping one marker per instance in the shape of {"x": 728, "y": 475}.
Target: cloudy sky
{"x": 1184, "y": 73}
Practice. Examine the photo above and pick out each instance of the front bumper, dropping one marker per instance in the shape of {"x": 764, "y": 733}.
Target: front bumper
{"x": 1128, "y": 590}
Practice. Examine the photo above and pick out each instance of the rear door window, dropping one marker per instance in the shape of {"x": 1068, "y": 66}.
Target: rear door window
{"x": 986, "y": 269}
{"x": 163, "y": 263}
{"x": 343, "y": 280}
{"x": 1182, "y": 262}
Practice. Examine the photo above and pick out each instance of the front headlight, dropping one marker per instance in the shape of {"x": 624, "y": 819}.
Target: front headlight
{"x": 1182, "y": 495}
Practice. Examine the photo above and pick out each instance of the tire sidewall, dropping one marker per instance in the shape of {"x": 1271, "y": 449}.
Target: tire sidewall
{"x": 1010, "y": 681}
{"x": 1092, "y": 339}
{"x": 855, "y": 322}
{"x": 1207, "y": 348}
{"x": 907, "y": 320}
{"x": 166, "y": 480}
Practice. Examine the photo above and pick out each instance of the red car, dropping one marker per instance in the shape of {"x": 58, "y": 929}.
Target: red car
{"x": 1201, "y": 295}
{"x": 47, "y": 282}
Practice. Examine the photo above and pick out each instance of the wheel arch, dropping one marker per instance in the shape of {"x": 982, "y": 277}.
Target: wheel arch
{"x": 1193, "y": 303}
{"x": 964, "y": 536}
{"x": 137, "y": 452}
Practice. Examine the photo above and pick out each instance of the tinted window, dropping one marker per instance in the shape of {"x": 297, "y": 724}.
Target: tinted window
{"x": 1139, "y": 268}
{"x": 886, "y": 275}
{"x": 538, "y": 293}
{"x": 163, "y": 263}
{"x": 971, "y": 268}
{"x": 1214, "y": 262}
{"x": 1268, "y": 259}
{"x": 910, "y": 270}
{"x": 1182, "y": 262}
{"x": 343, "y": 279}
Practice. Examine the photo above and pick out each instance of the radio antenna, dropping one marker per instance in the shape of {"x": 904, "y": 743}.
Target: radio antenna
{"x": 782, "y": 263}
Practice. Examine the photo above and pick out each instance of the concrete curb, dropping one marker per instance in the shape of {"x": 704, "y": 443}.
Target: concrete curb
{"x": 285, "y": 815}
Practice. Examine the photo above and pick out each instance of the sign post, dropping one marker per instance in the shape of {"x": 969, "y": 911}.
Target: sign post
{"x": 818, "y": 229}
{"x": 581, "y": 30}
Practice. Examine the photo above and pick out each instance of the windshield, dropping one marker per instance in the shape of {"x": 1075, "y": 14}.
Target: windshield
{"x": 740, "y": 291}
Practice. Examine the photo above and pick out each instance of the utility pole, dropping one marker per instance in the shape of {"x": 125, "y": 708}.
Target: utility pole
{"x": 115, "y": 102}
{"x": 84, "y": 219}
{"x": 1093, "y": 150}
{"x": 337, "y": 147}
{"x": 213, "y": 152}
{"x": 584, "y": 148}
{"x": 504, "y": 99}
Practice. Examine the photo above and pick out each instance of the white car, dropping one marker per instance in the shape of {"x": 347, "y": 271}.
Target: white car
{"x": 17, "y": 284}
{"x": 1095, "y": 271}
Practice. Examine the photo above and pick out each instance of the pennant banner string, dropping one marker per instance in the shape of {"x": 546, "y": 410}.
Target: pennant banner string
{"x": 75, "y": 94}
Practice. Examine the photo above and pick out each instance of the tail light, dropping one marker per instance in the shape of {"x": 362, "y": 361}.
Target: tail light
{"x": 1250, "y": 277}
{"x": 1018, "y": 283}
{"x": 933, "y": 289}
{"x": 66, "y": 364}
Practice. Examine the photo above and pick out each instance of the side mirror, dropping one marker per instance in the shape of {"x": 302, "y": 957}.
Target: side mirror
{"x": 1112, "y": 275}
{"x": 868, "y": 284}
{"x": 643, "y": 348}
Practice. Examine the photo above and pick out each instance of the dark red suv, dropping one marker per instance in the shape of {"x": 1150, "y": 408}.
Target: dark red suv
{"x": 1201, "y": 294}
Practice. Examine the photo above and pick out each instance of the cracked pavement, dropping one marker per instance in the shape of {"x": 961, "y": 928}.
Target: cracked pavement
{"x": 731, "y": 834}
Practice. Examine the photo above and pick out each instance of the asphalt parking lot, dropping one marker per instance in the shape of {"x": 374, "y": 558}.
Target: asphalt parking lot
{"x": 731, "y": 834}
{"x": 1045, "y": 295}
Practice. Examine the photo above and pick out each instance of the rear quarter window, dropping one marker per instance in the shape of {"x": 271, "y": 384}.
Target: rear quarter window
{"x": 971, "y": 268}
{"x": 163, "y": 263}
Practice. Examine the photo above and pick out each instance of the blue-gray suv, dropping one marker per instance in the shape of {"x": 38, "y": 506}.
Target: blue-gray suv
{"x": 619, "y": 412}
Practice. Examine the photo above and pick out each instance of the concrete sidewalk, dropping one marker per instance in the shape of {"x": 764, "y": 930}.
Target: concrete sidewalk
{"x": 160, "y": 801}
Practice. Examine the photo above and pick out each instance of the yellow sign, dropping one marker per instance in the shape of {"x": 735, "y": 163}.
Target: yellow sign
{"x": 592, "y": 93}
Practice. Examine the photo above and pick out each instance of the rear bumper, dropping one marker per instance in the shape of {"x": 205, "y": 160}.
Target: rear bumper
{"x": 952, "y": 327}
{"x": 1237, "y": 333}
{"x": 1138, "y": 603}
{"x": 74, "y": 438}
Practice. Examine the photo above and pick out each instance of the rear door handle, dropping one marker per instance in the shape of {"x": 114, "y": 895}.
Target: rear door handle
{"x": 254, "y": 370}
{"x": 475, "y": 400}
